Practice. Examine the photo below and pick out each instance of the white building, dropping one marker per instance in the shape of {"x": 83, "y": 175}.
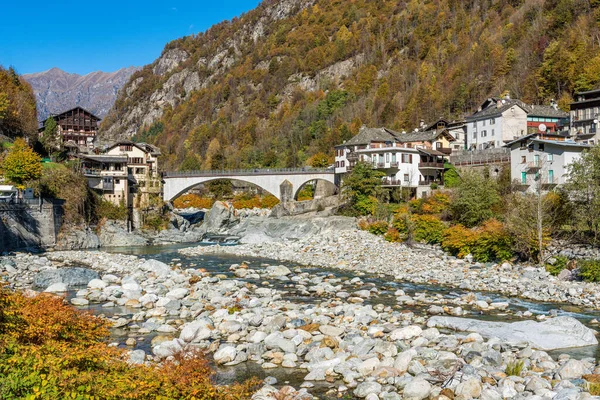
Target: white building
{"x": 542, "y": 158}
{"x": 411, "y": 160}
{"x": 496, "y": 122}
{"x": 107, "y": 174}
{"x": 142, "y": 169}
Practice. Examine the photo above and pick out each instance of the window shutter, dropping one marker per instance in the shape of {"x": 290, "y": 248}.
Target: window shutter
{"x": 410, "y": 158}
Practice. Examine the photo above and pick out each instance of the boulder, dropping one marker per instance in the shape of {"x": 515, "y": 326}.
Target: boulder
{"x": 554, "y": 333}
{"x": 365, "y": 388}
{"x": 417, "y": 389}
{"x": 220, "y": 217}
{"x": 57, "y": 287}
{"x": 156, "y": 267}
{"x": 72, "y": 277}
{"x": 114, "y": 234}
{"x": 278, "y": 270}
{"x": 408, "y": 332}
{"x": 225, "y": 354}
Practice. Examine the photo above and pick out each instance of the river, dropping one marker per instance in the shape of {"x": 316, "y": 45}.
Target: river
{"x": 219, "y": 265}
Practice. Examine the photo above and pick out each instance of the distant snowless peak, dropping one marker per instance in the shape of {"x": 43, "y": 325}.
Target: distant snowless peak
{"x": 57, "y": 91}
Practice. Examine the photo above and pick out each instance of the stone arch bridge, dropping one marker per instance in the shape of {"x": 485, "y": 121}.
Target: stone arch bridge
{"x": 281, "y": 183}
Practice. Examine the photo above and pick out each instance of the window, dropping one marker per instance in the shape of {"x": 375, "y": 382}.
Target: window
{"x": 483, "y": 133}
{"x": 405, "y": 177}
{"x": 523, "y": 159}
{"x": 126, "y": 147}
{"x": 387, "y": 157}
{"x": 337, "y": 164}
{"x": 541, "y": 147}
{"x": 483, "y": 123}
{"x": 407, "y": 158}
{"x": 381, "y": 159}
{"x": 492, "y": 121}
{"x": 474, "y": 135}
{"x": 524, "y": 178}
{"x": 394, "y": 158}
{"x": 493, "y": 132}
{"x": 550, "y": 157}
{"x": 474, "y": 124}
{"x": 550, "y": 176}
{"x": 536, "y": 160}
{"x": 118, "y": 167}
{"x": 438, "y": 145}
{"x": 117, "y": 181}
{"x": 343, "y": 164}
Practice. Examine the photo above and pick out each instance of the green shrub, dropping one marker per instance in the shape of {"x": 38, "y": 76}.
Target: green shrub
{"x": 428, "y": 228}
{"x": 559, "y": 265}
{"x": 589, "y": 270}
{"x": 378, "y": 227}
{"x": 366, "y": 205}
{"x": 108, "y": 210}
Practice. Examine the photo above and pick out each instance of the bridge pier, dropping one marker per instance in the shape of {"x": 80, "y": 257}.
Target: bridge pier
{"x": 286, "y": 191}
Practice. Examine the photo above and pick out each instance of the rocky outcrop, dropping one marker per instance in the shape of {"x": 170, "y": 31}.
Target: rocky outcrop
{"x": 57, "y": 91}
{"x": 325, "y": 206}
{"x": 556, "y": 333}
{"x": 114, "y": 234}
{"x": 74, "y": 239}
{"x": 220, "y": 218}
{"x": 70, "y": 277}
{"x": 258, "y": 230}
{"x": 177, "y": 82}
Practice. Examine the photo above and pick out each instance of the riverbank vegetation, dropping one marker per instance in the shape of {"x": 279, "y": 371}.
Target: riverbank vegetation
{"x": 242, "y": 200}
{"x": 485, "y": 217}
{"x": 50, "y": 350}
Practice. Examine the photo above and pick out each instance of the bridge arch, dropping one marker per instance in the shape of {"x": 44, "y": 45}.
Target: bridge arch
{"x": 272, "y": 180}
{"x": 322, "y": 188}
{"x": 220, "y": 178}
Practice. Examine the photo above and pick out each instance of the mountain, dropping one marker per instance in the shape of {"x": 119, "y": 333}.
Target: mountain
{"x": 293, "y": 78}
{"x": 57, "y": 90}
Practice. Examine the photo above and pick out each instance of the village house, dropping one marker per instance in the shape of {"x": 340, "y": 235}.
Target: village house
{"x": 125, "y": 174}
{"x": 585, "y": 111}
{"x": 496, "y": 122}
{"x": 546, "y": 119}
{"x": 77, "y": 128}
{"x": 542, "y": 159}
{"x": 107, "y": 174}
{"x": 458, "y": 130}
{"x": 499, "y": 121}
{"x": 142, "y": 170}
{"x": 414, "y": 160}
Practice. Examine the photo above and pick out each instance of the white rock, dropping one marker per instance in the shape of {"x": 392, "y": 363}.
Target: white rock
{"x": 407, "y": 332}
{"x": 417, "y": 389}
{"x": 97, "y": 284}
{"x": 58, "y": 287}
{"x": 225, "y": 354}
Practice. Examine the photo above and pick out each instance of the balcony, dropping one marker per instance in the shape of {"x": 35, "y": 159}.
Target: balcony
{"x": 352, "y": 156}
{"x": 394, "y": 182}
{"x": 445, "y": 150}
{"x": 428, "y": 183}
{"x": 431, "y": 165}
{"x": 380, "y": 165}
{"x": 394, "y": 164}
{"x": 533, "y": 166}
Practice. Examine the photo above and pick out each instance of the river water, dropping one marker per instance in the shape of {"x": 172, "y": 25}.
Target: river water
{"x": 219, "y": 264}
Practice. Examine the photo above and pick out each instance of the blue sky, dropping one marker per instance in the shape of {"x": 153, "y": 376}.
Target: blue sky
{"x": 85, "y": 36}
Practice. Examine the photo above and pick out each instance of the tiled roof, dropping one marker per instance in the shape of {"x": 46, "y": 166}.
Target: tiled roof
{"x": 367, "y": 135}
{"x": 420, "y": 136}
{"x": 537, "y": 110}
{"x": 492, "y": 110}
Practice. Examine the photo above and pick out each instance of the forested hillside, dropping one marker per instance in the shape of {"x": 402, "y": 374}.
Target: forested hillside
{"x": 17, "y": 105}
{"x": 294, "y": 77}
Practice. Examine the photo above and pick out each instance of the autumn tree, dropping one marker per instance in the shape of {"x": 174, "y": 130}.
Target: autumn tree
{"x": 319, "y": 160}
{"x": 21, "y": 164}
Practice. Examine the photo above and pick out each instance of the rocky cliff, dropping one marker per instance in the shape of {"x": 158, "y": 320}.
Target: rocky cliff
{"x": 57, "y": 90}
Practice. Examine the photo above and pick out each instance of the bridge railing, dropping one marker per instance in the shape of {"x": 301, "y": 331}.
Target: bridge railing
{"x": 238, "y": 172}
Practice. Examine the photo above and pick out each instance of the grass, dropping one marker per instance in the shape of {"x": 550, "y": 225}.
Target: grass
{"x": 514, "y": 368}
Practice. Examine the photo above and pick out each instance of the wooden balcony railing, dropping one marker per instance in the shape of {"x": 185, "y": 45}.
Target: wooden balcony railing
{"x": 433, "y": 165}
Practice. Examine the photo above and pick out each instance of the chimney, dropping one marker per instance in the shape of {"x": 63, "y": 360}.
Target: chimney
{"x": 499, "y": 104}
{"x": 553, "y": 104}
{"x": 507, "y": 96}
{"x": 422, "y": 124}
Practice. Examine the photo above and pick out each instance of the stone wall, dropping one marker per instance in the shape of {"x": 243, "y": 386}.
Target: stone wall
{"x": 34, "y": 226}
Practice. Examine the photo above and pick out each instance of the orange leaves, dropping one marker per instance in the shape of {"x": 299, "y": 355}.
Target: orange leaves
{"x": 49, "y": 350}
{"x": 193, "y": 200}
